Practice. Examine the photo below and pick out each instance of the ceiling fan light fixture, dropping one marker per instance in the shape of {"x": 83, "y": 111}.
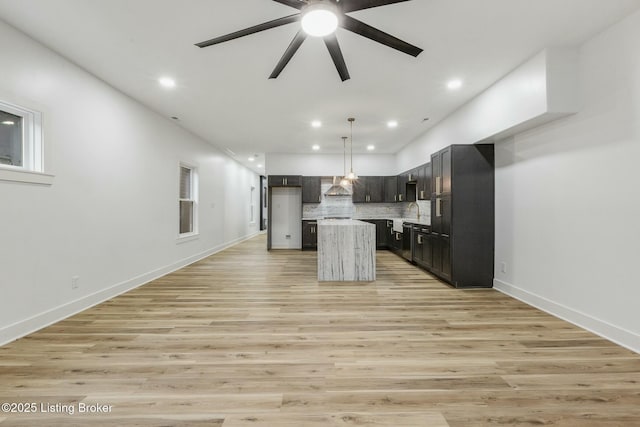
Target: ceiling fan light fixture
{"x": 319, "y": 19}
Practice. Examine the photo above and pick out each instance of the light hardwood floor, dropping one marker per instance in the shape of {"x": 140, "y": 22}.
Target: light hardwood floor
{"x": 250, "y": 338}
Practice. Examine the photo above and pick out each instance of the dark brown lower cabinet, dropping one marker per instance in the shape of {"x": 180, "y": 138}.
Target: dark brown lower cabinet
{"x": 310, "y": 235}
{"x": 441, "y": 256}
{"x": 422, "y": 247}
{"x": 383, "y": 232}
{"x": 395, "y": 245}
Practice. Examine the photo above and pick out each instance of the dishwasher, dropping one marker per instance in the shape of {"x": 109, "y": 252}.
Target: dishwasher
{"x": 407, "y": 242}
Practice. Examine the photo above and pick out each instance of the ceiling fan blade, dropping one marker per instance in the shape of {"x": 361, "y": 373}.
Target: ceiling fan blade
{"x": 359, "y": 27}
{"x": 336, "y": 54}
{"x": 297, "y": 4}
{"x": 251, "y": 30}
{"x": 288, "y": 54}
{"x": 353, "y": 5}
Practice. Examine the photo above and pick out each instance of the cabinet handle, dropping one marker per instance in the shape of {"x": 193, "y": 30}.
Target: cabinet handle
{"x": 419, "y": 239}
{"x": 422, "y": 194}
{"x": 400, "y": 197}
{"x": 395, "y": 197}
{"x": 398, "y": 236}
{"x": 320, "y": 198}
{"x": 313, "y": 230}
{"x": 438, "y": 207}
{"x": 438, "y": 185}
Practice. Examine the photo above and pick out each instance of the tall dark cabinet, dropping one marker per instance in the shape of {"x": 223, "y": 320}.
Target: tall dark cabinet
{"x": 462, "y": 215}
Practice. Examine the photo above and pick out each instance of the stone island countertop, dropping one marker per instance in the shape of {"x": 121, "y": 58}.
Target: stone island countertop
{"x": 346, "y": 250}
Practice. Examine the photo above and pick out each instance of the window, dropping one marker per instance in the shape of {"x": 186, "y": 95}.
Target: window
{"x": 252, "y": 198}
{"x": 20, "y": 138}
{"x": 187, "y": 200}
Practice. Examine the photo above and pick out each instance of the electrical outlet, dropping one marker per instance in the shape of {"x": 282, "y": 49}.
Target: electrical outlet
{"x": 503, "y": 267}
{"x": 75, "y": 282}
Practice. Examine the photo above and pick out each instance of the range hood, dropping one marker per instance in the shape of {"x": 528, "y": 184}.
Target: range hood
{"x": 337, "y": 190}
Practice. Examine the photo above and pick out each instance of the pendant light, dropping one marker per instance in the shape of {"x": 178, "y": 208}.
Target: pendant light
{"x": 341, "y": 189}
{"x": 351, "y": 176}
{"x": 344, "y": 180}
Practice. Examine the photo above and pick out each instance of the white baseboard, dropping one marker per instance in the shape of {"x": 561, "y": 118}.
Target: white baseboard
{"x": 42, "y": 320}
{"x": 606, "y": 330}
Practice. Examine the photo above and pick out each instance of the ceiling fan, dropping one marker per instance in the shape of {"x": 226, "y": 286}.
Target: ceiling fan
{"x": 311, "y": 15}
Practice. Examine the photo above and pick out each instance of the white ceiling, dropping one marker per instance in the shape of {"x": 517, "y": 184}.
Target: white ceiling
{"x": 223, "y": 93}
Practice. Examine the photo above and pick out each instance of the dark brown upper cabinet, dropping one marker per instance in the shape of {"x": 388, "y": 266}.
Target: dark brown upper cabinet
{"x": 390, "y": 189}
{"x": 311, "y": 189}
{"x": 284, "y": 180}
{"x": 368, "y": 189}
{"x": 423, "y": 189}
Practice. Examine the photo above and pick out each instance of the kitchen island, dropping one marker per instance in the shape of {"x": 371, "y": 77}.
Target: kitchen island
{"x": 346, "y": 250}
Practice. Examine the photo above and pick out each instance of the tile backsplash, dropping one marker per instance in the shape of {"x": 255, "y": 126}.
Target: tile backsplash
{"x": 343, "y": 206}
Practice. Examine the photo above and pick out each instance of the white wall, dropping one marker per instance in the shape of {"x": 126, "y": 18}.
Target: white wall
{"x": 111, "y": 214}
{"x": 567, "y": 198}
{"x": 329, "y": 164}
{"x": 567, "y": 209}
{"x": 542, "y": 89}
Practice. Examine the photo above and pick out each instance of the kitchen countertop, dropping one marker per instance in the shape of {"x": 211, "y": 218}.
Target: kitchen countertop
{"x": 422, "y": 221}
{"x": 341, "y": 222}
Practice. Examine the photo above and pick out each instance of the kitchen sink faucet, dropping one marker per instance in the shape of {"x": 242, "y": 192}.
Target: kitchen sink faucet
{"x": 417, "y": 207}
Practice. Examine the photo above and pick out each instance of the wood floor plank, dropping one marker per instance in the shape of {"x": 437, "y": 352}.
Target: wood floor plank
{"x": 248, "y": 337}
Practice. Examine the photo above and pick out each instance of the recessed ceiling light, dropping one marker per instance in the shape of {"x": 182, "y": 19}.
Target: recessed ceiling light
{"x": 392, "y": 124}
{"x": 316, "y": 123}
{"x": 371, "y": 147}
{"x": 259, "y": 166}
{"x": 251, "y": 159}
{"x": 8, "y": 122}
{"x": 315, "y": 147}
{"x": 454, "y": 84}
{"x": 167, "y": 82}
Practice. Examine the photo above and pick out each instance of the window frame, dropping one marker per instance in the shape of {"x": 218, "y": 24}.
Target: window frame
{"x": 33, "y": 154}
{"x": 193, "y": 176}
{"x": 252, "y": 207}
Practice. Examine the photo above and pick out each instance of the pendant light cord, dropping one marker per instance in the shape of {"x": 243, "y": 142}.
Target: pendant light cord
{"x": 344, "y": 156}
{"x": 351, "y": 120}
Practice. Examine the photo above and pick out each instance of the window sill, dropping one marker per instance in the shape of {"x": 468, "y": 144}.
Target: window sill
{"x": 26, "y": 177}
{"x": 188, "y": 237}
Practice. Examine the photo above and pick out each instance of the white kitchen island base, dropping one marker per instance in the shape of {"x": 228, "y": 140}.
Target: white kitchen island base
{"x": 346, "y": 250}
